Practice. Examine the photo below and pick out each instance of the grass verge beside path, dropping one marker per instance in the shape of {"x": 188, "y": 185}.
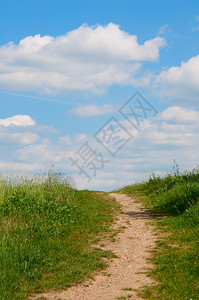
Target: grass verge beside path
{"x": 176, "y": 257}
{"x": 46, "y": 233}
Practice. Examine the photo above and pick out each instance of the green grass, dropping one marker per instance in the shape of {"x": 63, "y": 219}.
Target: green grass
{"x": 46, "y": 233}
{"x": 176, "y": 257}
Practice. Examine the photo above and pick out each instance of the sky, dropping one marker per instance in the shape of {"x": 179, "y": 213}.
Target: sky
{"x": 105, "y": 93}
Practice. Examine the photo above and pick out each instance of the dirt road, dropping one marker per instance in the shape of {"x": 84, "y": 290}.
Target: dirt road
{"x": 127, "y": 272}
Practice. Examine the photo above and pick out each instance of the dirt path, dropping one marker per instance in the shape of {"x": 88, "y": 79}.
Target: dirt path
{"x": 127, "y": 272}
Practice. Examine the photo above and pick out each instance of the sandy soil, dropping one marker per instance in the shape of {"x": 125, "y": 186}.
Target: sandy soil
{"x": 126, "y": 273}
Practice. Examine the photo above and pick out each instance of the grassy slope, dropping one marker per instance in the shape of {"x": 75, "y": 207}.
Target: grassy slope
{"x": 176, "y": 257}
{"x": 46, "y": 232}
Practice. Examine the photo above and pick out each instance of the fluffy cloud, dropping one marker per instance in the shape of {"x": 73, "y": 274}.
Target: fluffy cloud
{"x": 179, "y": 115}
{"x": 18, "y": 131}
{"x": 180, "y": 84}
{"x": 88, "y": 58}
{"x": 174, "y": 129}
{"x": 21, "y": 130}
{"x": 18, "y": 120}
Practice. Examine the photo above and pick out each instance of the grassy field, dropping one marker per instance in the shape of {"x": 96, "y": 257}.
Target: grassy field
{"x": 46, "y": 233}
{"x": 47, "y": 230}
{"x": 176, "y": 257}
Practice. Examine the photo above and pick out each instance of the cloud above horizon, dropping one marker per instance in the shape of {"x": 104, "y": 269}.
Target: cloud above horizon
{"x": 171, "y": 134}
{"x": 18, "y": 131}
{"x": 85, "y": 59}
{"x": 180, "y": 83}
{"x": 22, "y": 130}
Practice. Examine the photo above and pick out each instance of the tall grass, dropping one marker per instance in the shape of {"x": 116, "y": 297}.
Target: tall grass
{"x": 176, "y": 257}
{"x": 46, "y": 231}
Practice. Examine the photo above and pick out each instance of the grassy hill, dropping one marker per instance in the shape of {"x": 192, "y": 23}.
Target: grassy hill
{"x": 46, "y": 233}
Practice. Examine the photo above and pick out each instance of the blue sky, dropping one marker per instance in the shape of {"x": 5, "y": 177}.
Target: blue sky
{"x": 66, "y": 68}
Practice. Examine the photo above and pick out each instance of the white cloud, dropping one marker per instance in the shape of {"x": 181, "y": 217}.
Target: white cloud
{"x": 88, "y": 59}
{"x": 47, "y": 154}
{"x": 17, "y": 131}
{"x": 173, "y": 129}
{"x": 172, "y": 134}
{"x": 18, "y": 120}
{"x": 177, "y": 114}
{"x": 94, "y": 110}
{"x": 20, "y": 130}
{"x": 17, "y": 138}
{"x": 181, "y": 83}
